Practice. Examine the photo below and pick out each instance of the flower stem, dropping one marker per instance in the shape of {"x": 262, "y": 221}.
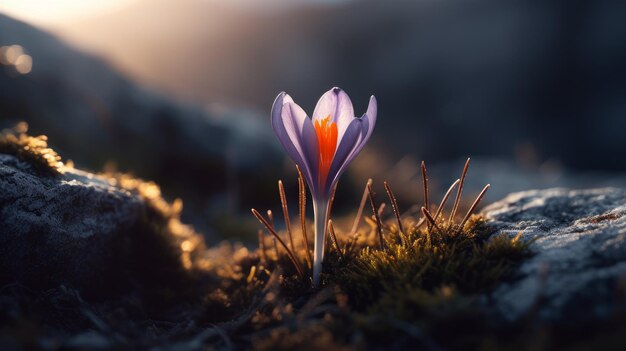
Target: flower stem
{"x": 320, "y": 217}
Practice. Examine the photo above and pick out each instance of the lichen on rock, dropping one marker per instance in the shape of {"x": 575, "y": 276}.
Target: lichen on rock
{"x": 579, "y": 271}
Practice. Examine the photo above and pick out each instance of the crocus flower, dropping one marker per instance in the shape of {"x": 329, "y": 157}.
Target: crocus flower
{"x": 323, "y": 147}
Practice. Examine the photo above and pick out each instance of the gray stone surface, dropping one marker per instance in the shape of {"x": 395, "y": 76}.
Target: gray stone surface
{"x": 77, "y": 229}
{"x": 578, "y": 270}
{"x": 77, "y": 205}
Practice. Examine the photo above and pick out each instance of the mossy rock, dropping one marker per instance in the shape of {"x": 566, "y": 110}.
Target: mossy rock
{"x": 102, "y": 234}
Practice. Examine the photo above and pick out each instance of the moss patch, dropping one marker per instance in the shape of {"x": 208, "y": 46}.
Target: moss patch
{"x": 428, "y": 261}
{"x": 420, "y": 285}
{"x": 33, "y": 150}
{"x": 397, "y": 283}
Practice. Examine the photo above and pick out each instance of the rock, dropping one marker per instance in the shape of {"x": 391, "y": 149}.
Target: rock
{"x": 577, "y": 274}
{"x": 86, "y": 231}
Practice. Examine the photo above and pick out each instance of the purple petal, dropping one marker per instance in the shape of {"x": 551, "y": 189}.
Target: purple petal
{"x": 368, "y": 122}
{"x": 299, "y": 126}
{"x": 372, "y": 112}
{"x": 351, "y": 143}
{"x": 296, "y": 133}
{"x": 336, "y": 104}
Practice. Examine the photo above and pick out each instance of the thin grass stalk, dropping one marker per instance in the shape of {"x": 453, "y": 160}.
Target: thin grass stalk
{"x": 445, "y": 199}
{"x": 425, "y": 185}
{"x": 327, "y": 215}
{"x": 333, "y": 237}
{"x": 474, "y": 205}
{"x": 430, "y": 219}
{"x": 332, "y": 199}
{"x": 379, "y": 225}
{"x": 302, "y": 203}
{"x": 381, "y": 209}
{"x": 283, "y": 202}
{"x": 270, "y": 217}
{"x": 459, "y": 192}
{"x": 359, "y": 214}
{"x": 277, "y": 237}
{"x": 420, "y": 222}
{"x": 396, "y": 211}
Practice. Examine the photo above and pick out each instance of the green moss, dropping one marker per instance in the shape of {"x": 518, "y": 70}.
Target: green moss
{"x": 32, "y": 150}
{"x": 428, "y": 261}
{"x": 424, "y": 283}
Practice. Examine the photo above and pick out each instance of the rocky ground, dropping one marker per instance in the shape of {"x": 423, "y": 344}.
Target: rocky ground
{"x": 578, "y": 272}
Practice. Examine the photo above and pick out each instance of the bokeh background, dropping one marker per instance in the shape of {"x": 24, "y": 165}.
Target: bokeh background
{"x": 179, "y": 92}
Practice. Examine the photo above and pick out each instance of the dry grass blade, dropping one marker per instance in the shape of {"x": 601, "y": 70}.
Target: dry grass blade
{"x": 474, "y": 205}
{"x": 283, "y": 202}
{"x": 425, "y": 182}
{"x": 262, "y": 246}
{"x": 270, "y": 228}
{"x": 333, "y": 237}
{"x": 421, "y": 222}
{"x": 379, "y": 225}
{"x": 270, "y": 216}
{"x": 430, "y": 218}
{"x": 302, "y": 203}
{"x": 396, "y": 211}
{"x": 329, "y": 209}
{"x": 359, "y": 214}
{"x": 332, "y": 199}
{"x": 381, "y": 209}
{"x": 459, "y": 192}
{"x": 445, "y": 198}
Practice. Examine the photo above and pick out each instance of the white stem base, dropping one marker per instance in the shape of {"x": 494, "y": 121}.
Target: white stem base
{"x": 320, "y": 217}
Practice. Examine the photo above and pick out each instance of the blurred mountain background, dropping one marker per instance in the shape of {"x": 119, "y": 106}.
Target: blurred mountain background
{"x": 180, "y": 92}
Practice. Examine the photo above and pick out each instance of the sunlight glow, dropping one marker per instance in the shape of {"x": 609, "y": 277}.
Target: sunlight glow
{"x": 46, "y": 12}
{"x": 51, "y": 13}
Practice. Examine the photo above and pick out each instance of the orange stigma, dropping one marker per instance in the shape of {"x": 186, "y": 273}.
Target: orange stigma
{"x": 327, "y": 140}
